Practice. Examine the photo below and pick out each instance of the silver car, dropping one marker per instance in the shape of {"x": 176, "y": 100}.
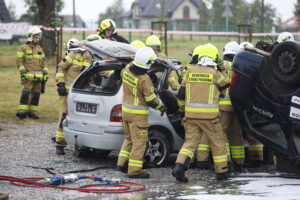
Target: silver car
{"x": 94, "y": 118}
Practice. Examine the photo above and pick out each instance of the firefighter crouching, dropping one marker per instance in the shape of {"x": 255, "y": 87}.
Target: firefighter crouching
{"x": 76, "y": 60}
{"x": 138, "y": 95}
{"x": 33, "y": 70}
{"x": 202, "y": 113}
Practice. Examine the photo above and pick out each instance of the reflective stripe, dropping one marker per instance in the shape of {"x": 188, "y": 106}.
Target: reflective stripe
{"x": 135, "y": 109}
{"x": 136, "y": 99}
{"x": 124, "y": 153}
{"x": 258, "y": 147}
{"x": 20, "y": 54}
{"x": 211, "y": 94}
{"x": 188, "y": 92}
{"x": 136, "y": 163}
{"x": 150, "y": 98}
{"x": 202, "y": 105}
{"x": 69, "y": 59}
{"x": 35, "y": 56}
{"x": 86, "y": 64}
{"x": 199, "y": 107}
{"x": 60, "y": 134}
{"x": 218, "y": 159}
{"x": 203, "y": 147}
{"x": 21, "y": 68}
{"x": 221, "y": 79}
{"x": 225, "y": 101}
{"x": 187, "y": 152}
{"x": 202, "y": 110}
{"x": 237, "y": 151}
{"x": 170, "y": 79}
{"x": 34, "y": 108}
{"x": 35, "y": 72}
{"x": 60, "y": 75}
{"x": 23, "y": 107}
{"x": 158, "y": 106}
{"x": 227, "y": 148}
{"x": 130, "y": 79}
{"x": 181, "y": 102}
{"x": 68, "y": 85}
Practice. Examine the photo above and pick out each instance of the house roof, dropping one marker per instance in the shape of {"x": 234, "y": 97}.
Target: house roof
{"x": 290, "y": 23}
{"x": 4, "y": 13}
{"x": 151, "y": 8}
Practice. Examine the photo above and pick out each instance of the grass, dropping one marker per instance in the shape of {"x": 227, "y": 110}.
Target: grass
{"x": 10, "y": 91}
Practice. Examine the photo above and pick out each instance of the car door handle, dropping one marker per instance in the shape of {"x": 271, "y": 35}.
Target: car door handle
{"x": 84, "y": 123}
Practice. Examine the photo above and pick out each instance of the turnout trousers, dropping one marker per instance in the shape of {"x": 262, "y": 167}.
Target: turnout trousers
{"x": 211, "y": 129}
{"x": 60, "y": 136}
{"x": 134, "y": 145}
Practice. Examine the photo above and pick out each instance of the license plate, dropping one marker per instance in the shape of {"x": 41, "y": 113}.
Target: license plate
{"x": 86, "y": 107}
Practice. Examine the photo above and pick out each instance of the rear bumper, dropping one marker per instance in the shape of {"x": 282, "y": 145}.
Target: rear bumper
{"x": 111, "y": 139}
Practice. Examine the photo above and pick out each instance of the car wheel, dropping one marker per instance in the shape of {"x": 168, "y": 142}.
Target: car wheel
{"x": 158, "y": 149}
{"x": 90, "y": 153}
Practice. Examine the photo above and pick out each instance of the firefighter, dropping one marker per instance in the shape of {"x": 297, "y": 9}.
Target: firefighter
{"x": 138, "y": 95}
{"x": 202, "y": 113}
{"x": 154, "y": 42}
{"x": 76, "y": 60}
{"x": 108, "y": 31}
{"x": 32, "y": 66}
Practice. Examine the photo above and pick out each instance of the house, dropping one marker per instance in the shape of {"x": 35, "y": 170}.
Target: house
{"x": 4, "y": 13}
{"x": 182, "y": 14}
{"x": 290, "y": 24}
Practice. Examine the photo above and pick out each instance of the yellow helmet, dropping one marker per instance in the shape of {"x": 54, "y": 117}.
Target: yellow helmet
{"x": 108, "y": 24}
{"x": 138, "y": 43}
{"x": 153, "y": 40}
{"x": 208, "y": 50}
{"x": 196, "y": 50}
{"x": 92, "y": 37}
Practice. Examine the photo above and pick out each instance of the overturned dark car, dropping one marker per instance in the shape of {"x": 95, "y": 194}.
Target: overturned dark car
{"x": 265, "y": 92}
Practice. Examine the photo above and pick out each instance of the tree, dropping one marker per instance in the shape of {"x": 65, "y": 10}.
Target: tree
{"x": 44, "y": 12}
{"x": 203, "y": 12}
{"x": 12, "y": 11}
{"x": 297, "y": 12}
{"x": 114, "y": 12}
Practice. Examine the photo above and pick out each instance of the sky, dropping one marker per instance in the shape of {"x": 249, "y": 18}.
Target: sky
{"x": 90, "y": 9}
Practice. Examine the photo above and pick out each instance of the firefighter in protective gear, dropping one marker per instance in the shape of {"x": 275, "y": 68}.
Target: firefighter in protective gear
{"x": 154, "y": 42}
{"x": 76, "y": 60}
{"x": 202, "y": 113}
{"x": 32, "y": 66}
{"x": 234, "y": 138}
{"x": 255, "y": 153}
{"x": 138, "y": 96}
{"x": 284, "y": 36}
{"x": 108, "y": 31}
{"x": 138, "y": 43}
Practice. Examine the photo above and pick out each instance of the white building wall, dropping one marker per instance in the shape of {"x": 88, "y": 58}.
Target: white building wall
{"x": 178, "y": 13}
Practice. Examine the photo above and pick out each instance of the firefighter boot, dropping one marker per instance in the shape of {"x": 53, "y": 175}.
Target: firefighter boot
{"x": 206, "y": 165}
{"x": 222, "y": 176}
{"x": 21, "y": 115}
{"x": 179, "y": 173}
{"x": 33, "y": 115}
{"x": 123, "y": 168}
{"x": 60, "y": 150}
{"x": 143, "y": 175}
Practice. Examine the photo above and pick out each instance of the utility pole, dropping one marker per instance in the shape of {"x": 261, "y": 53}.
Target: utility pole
{"x": 227, "y": 13}
{"x": 74, "y": 14}
{"x": 262, "y": 15}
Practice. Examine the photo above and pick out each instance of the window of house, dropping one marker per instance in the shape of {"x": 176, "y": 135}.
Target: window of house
{"x": 186, "y": 12}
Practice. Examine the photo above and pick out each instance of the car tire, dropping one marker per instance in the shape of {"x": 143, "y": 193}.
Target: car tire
{"x": 284, "y": 68}
{"x": 158, "y": 149}
{"x": 85, "y": 152}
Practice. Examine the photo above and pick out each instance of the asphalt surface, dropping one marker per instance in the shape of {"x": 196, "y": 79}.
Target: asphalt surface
{"x": 26, "y": 148}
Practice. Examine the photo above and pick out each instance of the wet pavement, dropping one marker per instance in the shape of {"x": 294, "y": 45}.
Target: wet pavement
{"x": 27, "y": 148}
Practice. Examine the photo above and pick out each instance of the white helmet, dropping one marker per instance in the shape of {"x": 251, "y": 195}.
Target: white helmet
{"x": 70, "y": 42}
{"x": 231, "y": 48}
{"x": 285, "y": 36}
{"x": 33, "y": 31}
{"x": 144, "y": 58}
{"x": 243, "y": 44}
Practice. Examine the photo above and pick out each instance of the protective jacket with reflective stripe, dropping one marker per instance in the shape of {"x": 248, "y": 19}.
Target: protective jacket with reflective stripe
{"x": 72, "y": 65}
{"x": 138, "y": 90}
{"x": 31, "y": 57}
{"x": 201, "y": 98}
{"x": 225, "y": 102}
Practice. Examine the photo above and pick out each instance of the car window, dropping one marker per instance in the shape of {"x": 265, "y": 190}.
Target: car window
{"x": 99, "y": 80}
{"x": 267, "y": 129}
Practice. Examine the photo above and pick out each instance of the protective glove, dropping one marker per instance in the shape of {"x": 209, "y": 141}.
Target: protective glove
{"x": 24, "y": 76}
{"x": 162, "y": 110}
{"x": 61, "y": 90}
{"x": 45, "y": 77}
